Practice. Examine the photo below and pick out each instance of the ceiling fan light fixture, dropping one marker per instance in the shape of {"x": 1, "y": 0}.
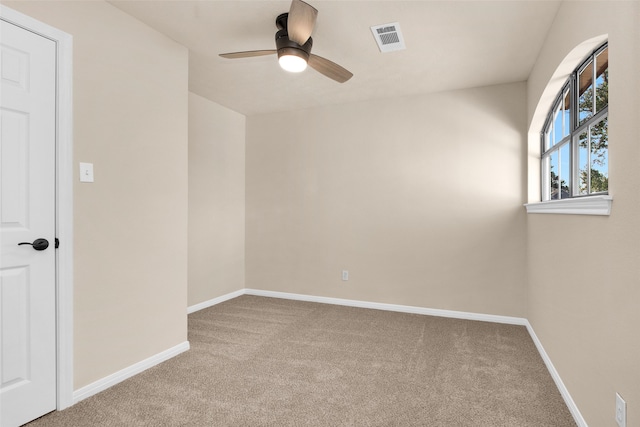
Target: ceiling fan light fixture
{"x": 292, "y": 63}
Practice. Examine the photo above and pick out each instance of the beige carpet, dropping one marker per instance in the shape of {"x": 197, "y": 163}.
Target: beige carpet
{"x": 258, "y": 361}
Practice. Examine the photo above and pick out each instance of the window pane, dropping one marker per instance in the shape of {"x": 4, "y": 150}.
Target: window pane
{"x": 585, "y": 93}
{"x": 599, "y": 156}
{"x": 553, "y": 175}
{"x": 557, "y": 125}
{"x": 567, "y": 113}
{"x": 565, "y": 172}
{"x": 547, "y": 140}
{"x": 602, "y": 80}
{"x": 583, "y": 163}
{"x": 545, "y": 178}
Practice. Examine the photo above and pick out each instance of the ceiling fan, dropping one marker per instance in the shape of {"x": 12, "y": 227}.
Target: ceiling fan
{"x": 293, "y": 44}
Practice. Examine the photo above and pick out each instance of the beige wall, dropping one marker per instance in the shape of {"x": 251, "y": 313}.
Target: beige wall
{"x": 130, "y": 120}
{"x": 584, "y": 287}
{"x": 216, "y": 200}
{"x": 420, "y": 198}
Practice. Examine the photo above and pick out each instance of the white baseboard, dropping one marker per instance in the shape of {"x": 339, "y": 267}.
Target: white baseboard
{"x": 214, "y": 301}
{"x": 568, "y": 400}
{"x": 115, "y": 378}
{"x": 391, "y": 307}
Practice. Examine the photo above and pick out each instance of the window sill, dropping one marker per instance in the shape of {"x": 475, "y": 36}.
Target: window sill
{"x": 591, "y": 205}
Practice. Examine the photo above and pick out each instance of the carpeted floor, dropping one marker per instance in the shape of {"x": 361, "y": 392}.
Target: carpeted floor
{"x": 258, "y": 361}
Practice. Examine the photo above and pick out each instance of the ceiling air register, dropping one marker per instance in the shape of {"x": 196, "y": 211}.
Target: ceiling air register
{"x": 388, "y": 37}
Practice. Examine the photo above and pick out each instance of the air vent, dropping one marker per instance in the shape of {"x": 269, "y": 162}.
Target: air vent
{"x": 388, "y": 37}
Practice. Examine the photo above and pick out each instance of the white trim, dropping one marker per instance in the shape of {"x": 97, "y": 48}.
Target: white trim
{"x": 568, "y": 400}
{"x": 115, "y": 378}
{"x": 214, "y": 301}
{"x": 65, "y": 221}
{"x": 64, "y": 197}
{"x": 391, "y": 307}
{"x": 590, "y": 205}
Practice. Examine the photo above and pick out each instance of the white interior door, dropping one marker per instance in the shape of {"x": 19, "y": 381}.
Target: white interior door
{"x": 27, "y": 213}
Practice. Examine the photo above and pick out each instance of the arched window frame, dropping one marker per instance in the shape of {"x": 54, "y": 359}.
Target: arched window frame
{"x": 565, "y": 150}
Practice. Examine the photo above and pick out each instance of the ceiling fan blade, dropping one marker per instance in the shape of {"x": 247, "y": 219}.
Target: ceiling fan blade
{"x": 329, "y": 68}
{"x": 301, "y": 20}
{"x": 248, "y": 54}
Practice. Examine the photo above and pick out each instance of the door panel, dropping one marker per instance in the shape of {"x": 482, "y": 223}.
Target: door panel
{"x": 27, "y": 212}
{"x": 15, "y": 331}
{"x": 15, "y": 158}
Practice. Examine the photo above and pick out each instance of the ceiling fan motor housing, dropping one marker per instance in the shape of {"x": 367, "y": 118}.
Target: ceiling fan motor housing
{"x": 285, "y": 46}
{"x": 289, "y": 47}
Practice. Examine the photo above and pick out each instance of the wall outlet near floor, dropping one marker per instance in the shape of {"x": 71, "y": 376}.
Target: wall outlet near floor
{"x": 345, "y": 275}
{"x": 621, "y": 411}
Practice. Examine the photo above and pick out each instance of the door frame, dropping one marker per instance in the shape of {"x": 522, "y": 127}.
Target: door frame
{"x": 64, "y": 197}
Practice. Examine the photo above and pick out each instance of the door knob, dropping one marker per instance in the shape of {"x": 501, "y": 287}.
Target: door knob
{"x": 38, "y": 244}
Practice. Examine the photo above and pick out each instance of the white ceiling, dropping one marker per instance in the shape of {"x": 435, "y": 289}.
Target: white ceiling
{"x": 450, "y": 45}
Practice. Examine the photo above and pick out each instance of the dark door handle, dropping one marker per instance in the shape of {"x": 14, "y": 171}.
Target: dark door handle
{"x": 38, "y": 244}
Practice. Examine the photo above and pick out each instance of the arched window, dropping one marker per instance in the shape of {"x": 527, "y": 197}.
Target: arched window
{"x": 575, "y": 159}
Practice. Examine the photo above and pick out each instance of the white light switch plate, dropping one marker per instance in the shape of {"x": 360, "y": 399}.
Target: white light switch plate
{"x": 86, "y": 172}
